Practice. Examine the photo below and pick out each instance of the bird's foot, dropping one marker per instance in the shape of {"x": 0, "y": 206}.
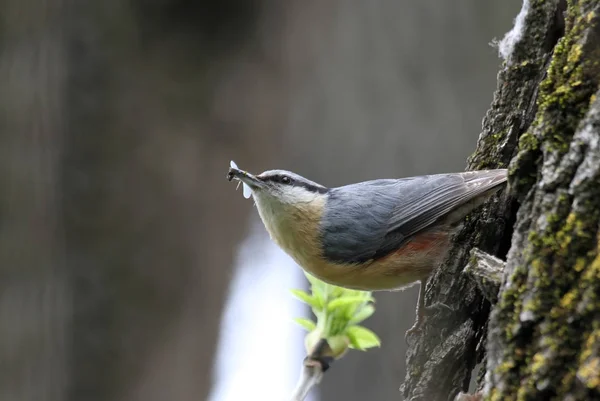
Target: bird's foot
{"x": 423, "y": 314}
{"x": 415, "y": 328}
{"x": 436, "y": 308}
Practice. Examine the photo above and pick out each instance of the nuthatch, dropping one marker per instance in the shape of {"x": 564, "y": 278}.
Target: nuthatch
{"x": 375, "y": 235}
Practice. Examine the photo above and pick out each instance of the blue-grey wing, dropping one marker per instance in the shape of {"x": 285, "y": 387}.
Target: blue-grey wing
{"x": 369, "y": 220}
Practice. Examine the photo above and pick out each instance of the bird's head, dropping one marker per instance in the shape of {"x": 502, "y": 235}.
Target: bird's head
{"x": 277, "y": 186}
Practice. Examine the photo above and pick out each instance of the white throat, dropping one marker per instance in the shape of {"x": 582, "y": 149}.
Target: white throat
{"x": 292, "y": 220}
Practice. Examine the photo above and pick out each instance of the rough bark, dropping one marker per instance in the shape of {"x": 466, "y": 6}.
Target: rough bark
{"x": 543, "y": 340}
{"x": 545, "y": 331}
{"x": 487, "y": 272}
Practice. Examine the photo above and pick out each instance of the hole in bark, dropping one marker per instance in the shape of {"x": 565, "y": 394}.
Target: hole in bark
{"x": 558, "y": 30}
{"x": 506, "y": 240}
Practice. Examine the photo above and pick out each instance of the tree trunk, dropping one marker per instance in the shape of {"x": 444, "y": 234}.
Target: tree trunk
{"x": 544, "y": 330}
{"x": 34, "y": 290}
{"x": 115, "y": 119}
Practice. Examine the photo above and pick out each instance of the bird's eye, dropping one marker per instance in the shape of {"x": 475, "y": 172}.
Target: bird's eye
{"x": 285, "y": 179}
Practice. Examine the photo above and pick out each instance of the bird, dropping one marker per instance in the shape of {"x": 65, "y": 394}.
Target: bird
{"x": 375, "y": 235}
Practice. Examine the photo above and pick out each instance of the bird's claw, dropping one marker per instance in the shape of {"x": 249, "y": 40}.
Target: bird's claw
{"x": 423, "y": 314}
{"x": 437, "y": 307}
{"x": 415, "y": 328}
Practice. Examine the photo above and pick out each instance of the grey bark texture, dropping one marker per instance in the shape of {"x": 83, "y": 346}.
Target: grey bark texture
{"x": 542, "y": 338}
{"x": 486, "y": 270}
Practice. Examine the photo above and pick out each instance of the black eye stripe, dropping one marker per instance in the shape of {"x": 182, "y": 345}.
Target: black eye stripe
{"x": 289, "y": 181}
{"x": 283, "y": 179}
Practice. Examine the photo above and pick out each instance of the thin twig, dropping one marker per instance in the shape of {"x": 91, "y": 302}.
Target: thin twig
{"x": 311, "y": 375}
{"x": 313, "y": 368}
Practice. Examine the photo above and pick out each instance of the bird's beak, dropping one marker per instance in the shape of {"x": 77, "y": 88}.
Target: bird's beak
{"x": 245, "y": 177}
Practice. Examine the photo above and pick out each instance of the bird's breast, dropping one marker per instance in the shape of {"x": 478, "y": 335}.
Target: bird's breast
{"x": 411, "y": 262}
{"x": 296, "y": 230}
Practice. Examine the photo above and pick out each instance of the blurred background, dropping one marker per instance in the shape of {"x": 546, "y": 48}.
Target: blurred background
{"x": 130, "y": 268}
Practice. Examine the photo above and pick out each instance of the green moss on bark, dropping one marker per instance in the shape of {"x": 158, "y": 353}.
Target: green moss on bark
{"x": 565, "y": 94}
{"x": 550, "y": 305}
{"x": 511, "y": 111}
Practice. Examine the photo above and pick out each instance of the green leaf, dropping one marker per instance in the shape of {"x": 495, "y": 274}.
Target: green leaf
{"x": 336, "y": 326}
{"x": 355, "y": 300}
{"x": 318, "y": 287}
{"x": 364, "y": 313}
{"x": 338, "y": 345}
{"x": 314, "y": 282}
{"x": 356, "y": 293}
{"x": 306, "y": 298}
{"x": 362, "y": 338}
{"x": 337, "y": 292}
{"x": 338, "y": 310}
{"x": 308, "y": 324}
{"x": 311, "y": 340}
{"x": 354, "y": 344}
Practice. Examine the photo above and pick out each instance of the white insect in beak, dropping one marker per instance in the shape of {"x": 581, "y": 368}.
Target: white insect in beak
{"x": 245, "y": 188}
